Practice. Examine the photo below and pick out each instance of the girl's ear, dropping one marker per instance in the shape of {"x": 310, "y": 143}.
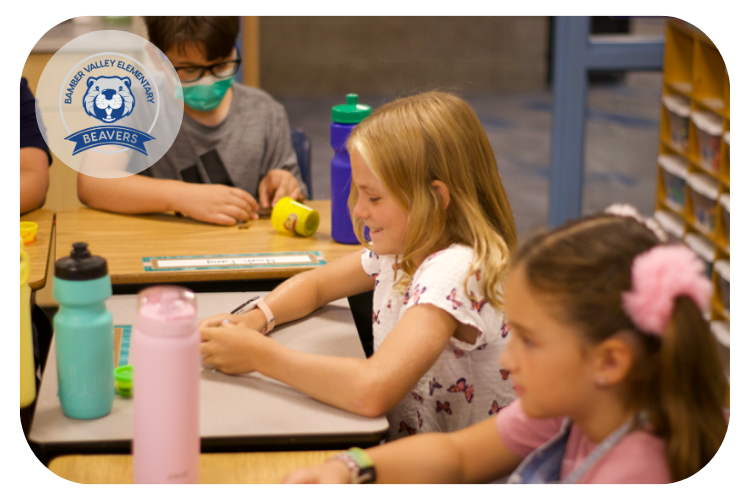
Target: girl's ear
{"x": 614, "y": 359}
{"x": 442, "y": 190}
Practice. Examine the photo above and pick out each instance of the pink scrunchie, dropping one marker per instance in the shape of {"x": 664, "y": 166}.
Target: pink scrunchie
{"x": 658, "y": 277}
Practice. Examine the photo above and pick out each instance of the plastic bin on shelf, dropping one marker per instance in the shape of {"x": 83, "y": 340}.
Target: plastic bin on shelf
{"x": 703, "y": 248}
{"x": 671, "y": 224}
{"x": 726, "y": 139}
{"x": 708, "y": 129}
{"x": 674, "y": 172}
{"x": 704, "y": 193}
{"x": 678, "y": 115}
{"x": 724, "y": 202}
{"x": 720, "y": 329}
{"x": 722, "y": 270}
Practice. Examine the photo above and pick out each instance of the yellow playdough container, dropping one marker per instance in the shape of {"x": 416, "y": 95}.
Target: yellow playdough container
{"x": 28, "y": 380}
{"x": 290, "y": 216}
{"x": 28, "y": 231}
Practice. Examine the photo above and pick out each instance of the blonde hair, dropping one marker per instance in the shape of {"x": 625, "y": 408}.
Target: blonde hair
{"x": 413, "y": 141}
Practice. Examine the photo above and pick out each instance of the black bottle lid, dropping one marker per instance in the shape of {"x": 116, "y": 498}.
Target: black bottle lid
{"x": 81, "y": 265}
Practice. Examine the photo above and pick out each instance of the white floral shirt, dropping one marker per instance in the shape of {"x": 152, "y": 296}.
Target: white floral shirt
{"x": 465, "y": 385}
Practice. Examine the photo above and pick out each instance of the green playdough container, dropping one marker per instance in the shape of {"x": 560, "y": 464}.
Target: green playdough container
{"x": 124, "y": 381}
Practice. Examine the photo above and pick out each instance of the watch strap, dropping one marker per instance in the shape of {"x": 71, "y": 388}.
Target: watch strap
{"x": 360, "y": 465}
{"x": 270, "y": 318}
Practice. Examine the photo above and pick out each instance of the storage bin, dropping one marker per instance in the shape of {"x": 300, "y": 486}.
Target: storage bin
{"x": 720, "y": 329}
{"x": 678, "y": 115}
{"x": 671, "y": 224}
{"x": 724, "y": 203}
{"x": 726, "y": 139}
{"x": 674, "y": 172}
{"x": 704, "y": 193}
{"x": 722, "y": 270}
{"x": 703, "y": 248}
{"x": 708, "y": 129}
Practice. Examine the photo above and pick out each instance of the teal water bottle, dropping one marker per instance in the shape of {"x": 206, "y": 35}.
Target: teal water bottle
{"x": 84, "y": 335}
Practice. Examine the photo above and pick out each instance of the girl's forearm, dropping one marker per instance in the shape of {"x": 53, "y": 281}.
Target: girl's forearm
{"x": 424, "y": 458}
{"x": 304, "y": 293}
{"x": 475, "y": 454}
{"x": 342, "y": 382}
{"x": 295, "y": 298}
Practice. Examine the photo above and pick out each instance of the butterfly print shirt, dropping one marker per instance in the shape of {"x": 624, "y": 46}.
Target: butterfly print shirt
{"x": 460, "y": 388}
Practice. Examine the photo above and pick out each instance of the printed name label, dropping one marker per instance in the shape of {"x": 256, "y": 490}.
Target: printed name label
{"x": 238, "y": 261}
{"x": 298, "y": 259}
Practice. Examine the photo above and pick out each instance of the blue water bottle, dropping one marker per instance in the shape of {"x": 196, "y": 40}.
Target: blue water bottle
{"x": 344, "y": 118}
{"x": 84, "y": 336}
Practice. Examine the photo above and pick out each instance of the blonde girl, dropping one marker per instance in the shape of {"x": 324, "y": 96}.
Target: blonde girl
{"x": 617, "y": 375}
{"x": 425, "y": 183}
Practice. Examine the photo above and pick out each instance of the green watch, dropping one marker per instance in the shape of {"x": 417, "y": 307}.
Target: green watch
{"x": 360, "y": 465}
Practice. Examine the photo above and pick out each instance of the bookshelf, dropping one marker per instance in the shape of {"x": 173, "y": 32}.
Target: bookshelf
{"x": 694, "y": 143}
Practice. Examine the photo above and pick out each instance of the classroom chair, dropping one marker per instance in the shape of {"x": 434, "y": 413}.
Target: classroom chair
{"x": 301, "y": 144}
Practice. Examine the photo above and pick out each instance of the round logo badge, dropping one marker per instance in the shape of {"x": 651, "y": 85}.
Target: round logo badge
{"x": 111, "y": 102}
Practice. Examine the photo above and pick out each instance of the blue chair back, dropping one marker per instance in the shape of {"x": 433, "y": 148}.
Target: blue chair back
{"x": 301, "y": 144}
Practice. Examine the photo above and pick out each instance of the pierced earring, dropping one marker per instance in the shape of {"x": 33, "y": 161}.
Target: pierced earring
{"x": 601, "y": 382}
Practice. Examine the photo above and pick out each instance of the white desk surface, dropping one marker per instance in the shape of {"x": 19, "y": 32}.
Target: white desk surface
{"x": 245, "y": 406}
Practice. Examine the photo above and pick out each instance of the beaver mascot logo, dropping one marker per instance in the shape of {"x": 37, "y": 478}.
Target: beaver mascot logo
{"x": 108, "y": 98}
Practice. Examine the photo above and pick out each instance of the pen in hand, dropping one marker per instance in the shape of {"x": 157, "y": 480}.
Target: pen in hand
{"x": 242, "y": 308}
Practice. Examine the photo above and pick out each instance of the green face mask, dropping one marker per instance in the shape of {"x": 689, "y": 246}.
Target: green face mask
{"x": 206, "y": 97}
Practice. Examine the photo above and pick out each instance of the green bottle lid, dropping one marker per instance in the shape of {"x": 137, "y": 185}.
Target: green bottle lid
{"x": 351, "y": 112}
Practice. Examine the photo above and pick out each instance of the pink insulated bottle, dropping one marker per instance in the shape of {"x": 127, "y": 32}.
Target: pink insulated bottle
{"x": 166, "y": 376}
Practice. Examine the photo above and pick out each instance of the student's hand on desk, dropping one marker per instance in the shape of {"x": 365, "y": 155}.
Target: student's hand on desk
{"x": 277, "y": 184}
{"x": 216, "y": 203}
{"x": 331, "y": 472}
{"x": 231, "y": 348}
{"x": 254, "y": 320}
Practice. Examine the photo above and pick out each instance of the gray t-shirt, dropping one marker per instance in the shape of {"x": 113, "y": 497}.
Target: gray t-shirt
{"x": 253, "y": 139}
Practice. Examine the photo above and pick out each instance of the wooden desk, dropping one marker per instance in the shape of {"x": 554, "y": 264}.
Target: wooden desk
{"x": 39, "y": 251}
{"x": 243, "y": 413}
{"x": 125, "y": 239}
{"x": 215, "y": 468}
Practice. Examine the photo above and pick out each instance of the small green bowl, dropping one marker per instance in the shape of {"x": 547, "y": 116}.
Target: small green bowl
{"x": 124, "y": 380}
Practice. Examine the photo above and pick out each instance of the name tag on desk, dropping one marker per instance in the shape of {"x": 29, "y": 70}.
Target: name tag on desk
{"x": 235, "y": 261}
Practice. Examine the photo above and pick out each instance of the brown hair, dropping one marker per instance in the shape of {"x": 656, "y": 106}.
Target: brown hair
{"x": 215, "y": 35}
{"x": 584, "y": 267}
{"x": 413, "y": 141}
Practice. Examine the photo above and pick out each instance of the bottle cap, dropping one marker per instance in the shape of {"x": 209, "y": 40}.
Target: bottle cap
{"x": 167, "y": 311}
{"x": 351, "y": 112}
{"x": 124, "y": 380}
{"x": 81, "y": 265}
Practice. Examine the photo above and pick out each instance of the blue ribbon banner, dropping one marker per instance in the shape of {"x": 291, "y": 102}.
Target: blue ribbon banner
{"x": 98, "y": 136}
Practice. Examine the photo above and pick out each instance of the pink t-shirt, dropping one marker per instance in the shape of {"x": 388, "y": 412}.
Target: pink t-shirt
{"x": 638, "y": 458}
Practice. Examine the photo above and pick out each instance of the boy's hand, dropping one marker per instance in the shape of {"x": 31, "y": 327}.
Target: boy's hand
{"x": 216, "y": 203}
{"x": 277, "y": 184}
{"x": 331, "y": 472}
{"x": 231, "y": 348}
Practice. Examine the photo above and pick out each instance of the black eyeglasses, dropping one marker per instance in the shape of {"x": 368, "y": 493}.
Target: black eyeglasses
{"x": 225, "y": 69}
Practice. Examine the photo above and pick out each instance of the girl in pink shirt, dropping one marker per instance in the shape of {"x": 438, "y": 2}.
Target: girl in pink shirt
{"x": 616, "y": 372}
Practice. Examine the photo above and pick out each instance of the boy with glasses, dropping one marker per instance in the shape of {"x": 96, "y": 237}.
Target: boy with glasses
{"x": 233, "y": 149}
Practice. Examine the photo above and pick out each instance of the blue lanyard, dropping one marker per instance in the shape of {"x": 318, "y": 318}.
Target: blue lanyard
{"x": 544, "y": 465}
